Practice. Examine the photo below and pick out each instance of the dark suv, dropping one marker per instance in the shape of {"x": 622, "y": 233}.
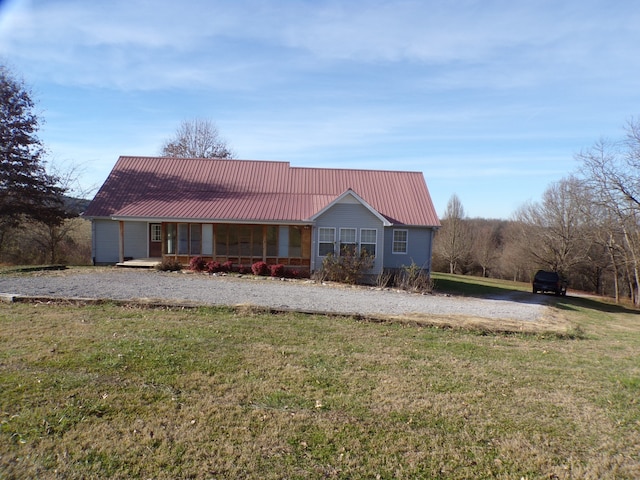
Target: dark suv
{"x": 549, "y": 282}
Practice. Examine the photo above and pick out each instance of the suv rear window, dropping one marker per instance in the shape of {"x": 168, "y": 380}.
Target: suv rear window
{"x": 547, "y": 276}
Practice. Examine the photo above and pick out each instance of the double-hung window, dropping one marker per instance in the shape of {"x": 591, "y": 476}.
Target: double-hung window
{"x": 156, "y": 232}
{"x": 400, "y": 238}
{"x": 368, "y": 240}
{"x": 348, "y": 243}
{"x": 326, "y": 241}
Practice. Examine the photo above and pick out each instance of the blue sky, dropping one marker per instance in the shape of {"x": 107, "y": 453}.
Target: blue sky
{"x": 489, "y": 99}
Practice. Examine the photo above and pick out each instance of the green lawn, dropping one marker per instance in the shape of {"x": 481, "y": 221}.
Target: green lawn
{"x": 111, "y": 391}
{"x": 475, "y": 286}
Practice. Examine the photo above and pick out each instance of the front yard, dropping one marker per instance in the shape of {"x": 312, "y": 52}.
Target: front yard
{"x": 129, "y": 392}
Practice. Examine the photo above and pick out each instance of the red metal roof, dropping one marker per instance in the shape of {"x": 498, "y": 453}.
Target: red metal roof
{"x": 252, "y": 191}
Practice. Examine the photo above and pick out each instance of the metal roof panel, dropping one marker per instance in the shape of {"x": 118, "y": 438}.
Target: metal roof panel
{"x": 217, "y": 189}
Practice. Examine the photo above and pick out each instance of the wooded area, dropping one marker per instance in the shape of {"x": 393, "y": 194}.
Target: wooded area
{"x": 586, "y": 226}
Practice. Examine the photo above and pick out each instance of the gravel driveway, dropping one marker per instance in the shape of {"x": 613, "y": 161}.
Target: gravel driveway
{"x": 306, "y": 296}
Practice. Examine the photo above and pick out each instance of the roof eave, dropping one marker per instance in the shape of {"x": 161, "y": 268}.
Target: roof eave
{"x": 125, "y": 218}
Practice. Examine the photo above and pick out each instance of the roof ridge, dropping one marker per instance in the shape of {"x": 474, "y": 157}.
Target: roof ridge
{"x": 281, "y": 162}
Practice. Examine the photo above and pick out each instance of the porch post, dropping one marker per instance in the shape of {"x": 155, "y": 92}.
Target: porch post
{"x": 264, "y": 243}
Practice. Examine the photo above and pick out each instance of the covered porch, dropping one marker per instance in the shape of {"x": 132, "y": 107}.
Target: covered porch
{"x": 237, "y": 243}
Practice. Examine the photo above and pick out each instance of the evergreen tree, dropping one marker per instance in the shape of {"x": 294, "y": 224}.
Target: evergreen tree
{"x": 26, "y": 190}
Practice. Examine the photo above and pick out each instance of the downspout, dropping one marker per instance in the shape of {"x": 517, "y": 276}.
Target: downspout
{"x": 433, "y": 235}
{"x": 121, "y": 242}
{"x": 312, "y": 263}
{"x": 93, "y": 241}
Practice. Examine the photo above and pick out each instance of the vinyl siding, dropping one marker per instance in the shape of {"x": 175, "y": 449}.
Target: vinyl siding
{"x": 105, "y": 236}
{"x": 136, "y": 239}
{"x": 349, "y": 215}
{"x": 418, "y": 248}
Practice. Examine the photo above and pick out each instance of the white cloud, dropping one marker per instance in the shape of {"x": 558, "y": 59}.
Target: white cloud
{"x": 148, "y": 44}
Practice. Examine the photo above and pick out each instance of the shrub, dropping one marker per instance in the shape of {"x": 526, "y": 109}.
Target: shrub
{"x": 386, "y": 278}
{"x": 297, "y": 273}
{"x": 414, "y": 279}
{"x": 277, "y": 270}
{"x": 242, "y": 269}
{"x": 197, "y": 264}
{"x": 227, "y": 266}
{"x": 347, "y": 268}
{"x": 260, "y": 268}
{"x": 169, "y": 265}
{"x": 214, "y": 267}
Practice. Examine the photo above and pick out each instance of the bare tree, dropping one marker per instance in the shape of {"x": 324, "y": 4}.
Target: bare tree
{"x": 611, "y": 169}
{"x": 514, "y": 263}
{"x": 50, "y": 236}
{"x": 453, "y": 241}
{"x": 197, "y": 138}
{"x": 553, "y": 231}
{"x": 487, "y": 243}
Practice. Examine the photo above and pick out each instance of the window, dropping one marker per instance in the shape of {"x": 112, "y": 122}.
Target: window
{"x": 257, "y": 241}
{"x": 222, "y": 240}
{"x": 233, "y": 249}
{"x": 156, "y": 232}
{"x": 171, "y": 239}
{"x": 207, "y": 239}
{"x": 326, "y": 240}
{"x": 347, "y": 241}
{"x": 400, "y": 241}
{"x": 195, "y": 240}
{"x": 183, "y": 239}
{"x": 295, "y": 242}
{"x": 272, "y": 241}
{"x": 368, "y": 240}
{"x": 244, "y": 239}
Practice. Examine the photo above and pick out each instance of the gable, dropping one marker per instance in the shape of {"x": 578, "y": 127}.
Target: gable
{"x": 352, "y": 198}
{"x": 346, "y": 214}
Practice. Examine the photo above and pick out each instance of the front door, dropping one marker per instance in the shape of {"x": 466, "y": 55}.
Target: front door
{"x": 155, "y": 240}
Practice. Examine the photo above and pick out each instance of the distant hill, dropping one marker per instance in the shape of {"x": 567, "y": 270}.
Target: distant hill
{"x": 76, "y": 205}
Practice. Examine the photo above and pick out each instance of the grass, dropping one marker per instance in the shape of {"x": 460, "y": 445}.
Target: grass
{"x": 117, "y": 391}
{"x": 475, "y": 286}
{"x": 9, "y": 269}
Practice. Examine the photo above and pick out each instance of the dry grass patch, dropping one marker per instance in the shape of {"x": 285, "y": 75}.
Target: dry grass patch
{"x": 113, "y": 391}
{"x": 553, "y": 322}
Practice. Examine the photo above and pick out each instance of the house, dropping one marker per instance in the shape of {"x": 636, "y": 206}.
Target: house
{"x": 247, "y": 211}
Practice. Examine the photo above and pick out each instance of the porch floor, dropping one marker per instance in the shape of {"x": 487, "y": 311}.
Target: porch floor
{"x": 140, "y": 262}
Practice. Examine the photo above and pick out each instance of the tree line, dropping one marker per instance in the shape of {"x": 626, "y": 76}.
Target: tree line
{"x": 586, "y": 226}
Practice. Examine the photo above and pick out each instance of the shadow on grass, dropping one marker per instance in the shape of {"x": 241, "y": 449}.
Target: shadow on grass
{"x": 521, "y": 293}
{"x": 575, "y": 302}
{"x": 469, "y": 287}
